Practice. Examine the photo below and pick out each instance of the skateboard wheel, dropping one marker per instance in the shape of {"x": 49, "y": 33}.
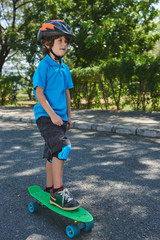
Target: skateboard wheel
{"x": 88, "y": 226}
{"x": 33, "y": 207}
{"x": 72, "y": 230}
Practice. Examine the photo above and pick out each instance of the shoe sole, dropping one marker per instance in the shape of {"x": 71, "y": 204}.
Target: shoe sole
{"x": 64, "y": 208}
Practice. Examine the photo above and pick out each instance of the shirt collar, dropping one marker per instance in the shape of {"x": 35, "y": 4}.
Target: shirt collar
{"x": 51, "y": 62}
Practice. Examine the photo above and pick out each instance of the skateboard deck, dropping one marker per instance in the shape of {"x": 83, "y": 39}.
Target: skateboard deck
{"x": 83, "y": 219}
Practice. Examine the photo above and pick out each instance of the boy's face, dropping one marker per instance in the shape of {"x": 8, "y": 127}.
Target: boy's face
{"x": 60, "y": 46}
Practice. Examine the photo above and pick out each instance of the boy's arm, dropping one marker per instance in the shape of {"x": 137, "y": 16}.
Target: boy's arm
{"x": 68, "y": 99}
{"x": 45, "y": 104}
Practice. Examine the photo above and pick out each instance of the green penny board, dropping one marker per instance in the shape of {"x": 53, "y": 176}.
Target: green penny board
{"x": 80, "y": 214}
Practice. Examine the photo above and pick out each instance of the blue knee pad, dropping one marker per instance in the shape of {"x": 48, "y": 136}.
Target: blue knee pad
{"x": 49, "y": 160}
{"x": 63, "y": 155}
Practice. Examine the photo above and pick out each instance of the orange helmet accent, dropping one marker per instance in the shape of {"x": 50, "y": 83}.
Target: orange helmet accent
{"x": 47, "y": 25}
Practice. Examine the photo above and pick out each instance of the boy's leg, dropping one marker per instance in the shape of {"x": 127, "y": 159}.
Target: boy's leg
{"x": 60, "y": 196}
{"x": 57, "y": 172}
{"x": 49, "y": 177}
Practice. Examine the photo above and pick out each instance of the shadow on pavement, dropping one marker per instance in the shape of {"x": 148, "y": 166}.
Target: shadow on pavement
{"x": 116, "y": 178}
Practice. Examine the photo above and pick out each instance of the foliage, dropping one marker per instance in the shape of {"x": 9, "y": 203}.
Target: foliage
{"x": 85, "y": 85}
{"x": 117, "y": 35}
{"x": 144, "y": 81}
{"x": 110, "y": 58}
{"x": 8, "y": 89}
{"x": 12, "y": 25}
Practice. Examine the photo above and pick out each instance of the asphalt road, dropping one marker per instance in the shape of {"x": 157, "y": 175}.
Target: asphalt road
{"x": 116, "y": 178}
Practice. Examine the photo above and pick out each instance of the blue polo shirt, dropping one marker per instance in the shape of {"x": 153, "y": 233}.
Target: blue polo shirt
{"x": 54, "y": 78}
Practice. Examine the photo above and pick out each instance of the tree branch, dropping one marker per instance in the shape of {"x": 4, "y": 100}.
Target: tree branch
{"x": 17, "y": 67}
{"x": 16, "y": 1}
{"x": 14, "y": 14}
{"x": 11, "y": 56}
{"x": 21, "y": 27}
{"x": 2, "y": 27}
{"x": 23, "y": 4}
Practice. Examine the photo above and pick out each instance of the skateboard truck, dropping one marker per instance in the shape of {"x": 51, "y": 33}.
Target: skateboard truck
{"x": 74, "y": 229}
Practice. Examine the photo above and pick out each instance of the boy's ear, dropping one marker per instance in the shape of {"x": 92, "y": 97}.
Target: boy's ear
{"x": 46, "y": 44}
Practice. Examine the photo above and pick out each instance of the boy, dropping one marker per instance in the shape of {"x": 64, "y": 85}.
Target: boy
{"x": 51, "y": 83}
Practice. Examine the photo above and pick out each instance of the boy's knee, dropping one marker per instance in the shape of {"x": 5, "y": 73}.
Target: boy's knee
{"x": 64, "y": 153}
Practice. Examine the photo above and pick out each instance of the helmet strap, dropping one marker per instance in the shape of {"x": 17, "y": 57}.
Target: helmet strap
{"x": 58, "y": 58}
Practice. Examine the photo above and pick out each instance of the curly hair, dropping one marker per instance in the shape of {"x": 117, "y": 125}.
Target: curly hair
{"x": 50, "y": 43}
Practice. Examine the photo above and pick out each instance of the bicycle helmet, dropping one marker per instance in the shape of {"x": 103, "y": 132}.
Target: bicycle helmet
{"x": 55, "y": 28}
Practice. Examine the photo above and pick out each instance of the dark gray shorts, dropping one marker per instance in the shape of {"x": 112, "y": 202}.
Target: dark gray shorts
{"x": 54, "y": 136}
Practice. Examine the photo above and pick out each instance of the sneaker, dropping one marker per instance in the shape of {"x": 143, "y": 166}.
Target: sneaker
{"x": 64, "y": 200}
{"x": 48, "y": 190}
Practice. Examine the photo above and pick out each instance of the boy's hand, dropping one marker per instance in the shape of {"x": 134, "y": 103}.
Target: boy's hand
{"x": 57, "y": 120}
{"x": 69, "y": 125}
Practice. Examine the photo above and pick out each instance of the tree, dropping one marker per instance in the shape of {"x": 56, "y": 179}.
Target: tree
{"x": 12, "y": 24}
{"x": 107, "y": 33}
{"x": 109, "y": 28}
{"x": 19, "y": 24}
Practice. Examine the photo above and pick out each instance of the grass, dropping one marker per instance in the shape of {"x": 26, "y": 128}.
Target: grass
{"x": 22, "y": 100}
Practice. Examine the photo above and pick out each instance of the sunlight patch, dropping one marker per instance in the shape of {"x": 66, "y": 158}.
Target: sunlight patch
{"x": 5, "y": 167}
{"x": 152, "y": 169}
{"x": 16, "y": 147}
{"x": 29, "y": 172}
{"x": 37, "y": 237}
{"x": 139, "y": 210}
{"x": 111, "y": 163}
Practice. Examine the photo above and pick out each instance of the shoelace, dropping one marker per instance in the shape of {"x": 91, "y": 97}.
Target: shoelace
{"x": 66, "y": 195}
